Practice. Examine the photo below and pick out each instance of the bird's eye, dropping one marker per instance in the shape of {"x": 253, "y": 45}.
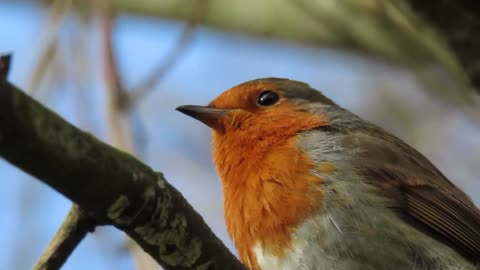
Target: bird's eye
{"x": 267, "y": 98}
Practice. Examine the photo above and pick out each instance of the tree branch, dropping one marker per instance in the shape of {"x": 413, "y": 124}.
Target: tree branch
{"x": 77, "y": 223}
{"x": 120, "y": 133}
{"x": 56, "y": 16}
{"x": 74, "y": 228}
{"x": 109, "y": 62}
{"x": 198, "y": 11}
{"x": 5, "y": 66}
{"x": 112, "y": 185}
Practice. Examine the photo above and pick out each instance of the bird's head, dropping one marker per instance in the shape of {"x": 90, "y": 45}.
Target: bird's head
{"x": 257, "y": 118}
{"x": 267, "y": 181}
{"x": 262, "y": 107}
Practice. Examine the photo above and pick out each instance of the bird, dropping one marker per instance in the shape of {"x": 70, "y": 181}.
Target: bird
{"x": 308, "y": 184}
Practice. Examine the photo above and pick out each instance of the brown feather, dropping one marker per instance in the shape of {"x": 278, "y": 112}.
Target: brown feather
{"x": 424, "y": 197}
{"x": 456, "y": 219}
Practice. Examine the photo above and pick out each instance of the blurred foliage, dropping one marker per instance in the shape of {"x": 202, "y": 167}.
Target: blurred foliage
{"x": 390, "y": 30}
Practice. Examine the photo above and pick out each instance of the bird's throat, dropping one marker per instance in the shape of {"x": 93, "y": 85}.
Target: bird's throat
{"x": 267, "y": 194}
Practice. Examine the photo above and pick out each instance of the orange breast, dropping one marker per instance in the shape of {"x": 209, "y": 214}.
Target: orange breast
{"x": 268, "y": 190}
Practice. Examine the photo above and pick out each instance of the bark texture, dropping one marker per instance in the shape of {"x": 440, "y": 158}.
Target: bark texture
{"x": 111, "y": 185}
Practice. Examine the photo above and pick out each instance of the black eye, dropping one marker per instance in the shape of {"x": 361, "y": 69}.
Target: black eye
{"x": 267, "y": 98}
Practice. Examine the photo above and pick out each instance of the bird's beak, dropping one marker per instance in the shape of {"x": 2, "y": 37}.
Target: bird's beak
{"x": 208, "y": 115}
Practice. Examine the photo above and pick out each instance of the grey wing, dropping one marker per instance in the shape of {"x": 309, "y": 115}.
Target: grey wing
{"x": 425, "y": 197}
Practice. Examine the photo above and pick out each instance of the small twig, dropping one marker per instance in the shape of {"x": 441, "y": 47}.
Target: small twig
{"x": 55, "y": 18}
{"x": 110, "y": 66}
{"x": 116, "y": 94}
{"x": 5, "y": 60}
{"x": 74, "y": 228}
{"x": 199, "y": 9}
{"x": 118, "y": 125}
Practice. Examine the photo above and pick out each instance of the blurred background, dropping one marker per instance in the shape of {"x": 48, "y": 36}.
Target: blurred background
{"x": 118, "y": 69}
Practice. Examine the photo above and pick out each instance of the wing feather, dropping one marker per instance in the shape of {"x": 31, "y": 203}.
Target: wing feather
{"x": 456, "y": 221}
{"x": 424, "y": 197}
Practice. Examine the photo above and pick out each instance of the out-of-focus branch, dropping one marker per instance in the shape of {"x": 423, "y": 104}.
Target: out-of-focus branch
{"x": 110, "y": 66}
{"x": 74, "y": 228}
{"x": 110, "y": 184}
{"x": 121, "y": 98}
{"x": 119, "y": 126}
{"x": 410, "y": 32}
{"x": 56, "y": 15}
{"x": 116, "y": 94}
{"x": 4, "y": 66}
{"x": 120, "y": 132}
{"x": 198, "y": 11}
{"x": 77, "y": 223}
{"x": 391, "y": 30}
{"x": 458, "y": 21}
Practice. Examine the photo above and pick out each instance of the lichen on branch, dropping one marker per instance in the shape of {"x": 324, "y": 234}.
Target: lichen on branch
{"x": 113, "y": 186}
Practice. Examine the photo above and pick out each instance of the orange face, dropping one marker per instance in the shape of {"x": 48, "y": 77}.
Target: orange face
{"x": 266, "y": 179}
{"x": 254, "y": 120}
{"x": 262, "y": 105}
{"x": 250, "y": 104}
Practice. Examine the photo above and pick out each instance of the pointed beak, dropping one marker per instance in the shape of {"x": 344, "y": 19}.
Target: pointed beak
{"x": 208, "y": 115}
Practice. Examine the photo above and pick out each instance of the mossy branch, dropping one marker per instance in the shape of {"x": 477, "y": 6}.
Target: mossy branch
{"x": 111, "y": 185}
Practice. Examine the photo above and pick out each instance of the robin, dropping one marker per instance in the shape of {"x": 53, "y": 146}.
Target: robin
{"x": 310, "y": 185}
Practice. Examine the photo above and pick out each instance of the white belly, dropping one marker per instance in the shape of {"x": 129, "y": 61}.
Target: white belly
{"x": 382, "y": 243}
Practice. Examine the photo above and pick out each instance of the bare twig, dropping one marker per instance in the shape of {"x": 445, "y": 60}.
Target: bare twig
{"x": 199, "y": 9}
{"x": 110, "y": 67}
{"x": 119, "y": 127}
{"x": 57, "y": 12}
{"x": 5, "y": 60}
{"x": 74, "y": 228}
{"x": 116, "y": 94}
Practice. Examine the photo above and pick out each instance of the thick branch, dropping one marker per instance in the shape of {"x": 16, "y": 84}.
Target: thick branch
{"x": 112, "y": 185}
{"x": 74, "y": 228}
